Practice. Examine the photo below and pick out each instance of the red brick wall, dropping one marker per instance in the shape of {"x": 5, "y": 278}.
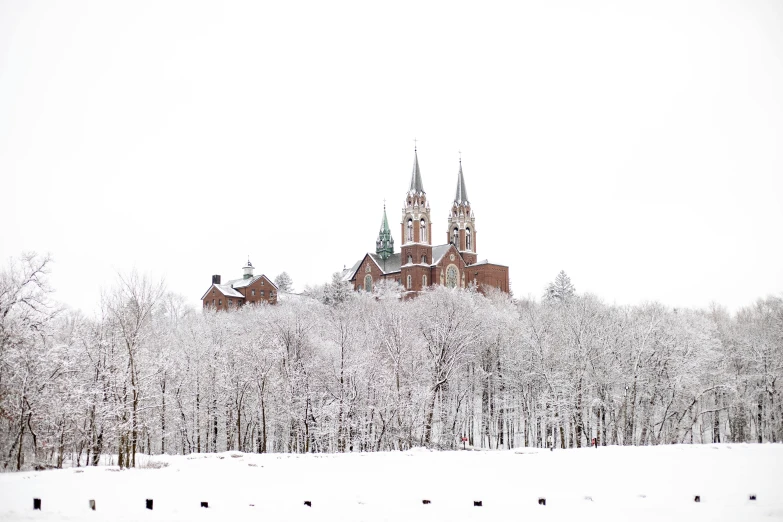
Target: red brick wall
{"x": 491, "y": 275}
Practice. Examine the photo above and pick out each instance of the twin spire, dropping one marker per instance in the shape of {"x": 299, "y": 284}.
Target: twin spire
{"x": 461, "y": 197}
{"x": 384, "y": 245}
{"x": 417, "y": 187}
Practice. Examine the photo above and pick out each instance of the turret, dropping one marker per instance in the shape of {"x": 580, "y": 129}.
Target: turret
{"x": 247, "y": 270}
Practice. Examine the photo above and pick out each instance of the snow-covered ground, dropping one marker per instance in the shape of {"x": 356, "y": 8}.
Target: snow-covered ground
{"x": 606, "y": 484}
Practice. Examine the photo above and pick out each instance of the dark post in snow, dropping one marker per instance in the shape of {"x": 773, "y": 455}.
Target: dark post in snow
{"x": 541, "y": 501}
{"x": 697, "y": 498}
{"x": 477, "y": 503}
{"x": 37, "y": 504}
{"x": 752, "y": 496}
{"x": 308, "y": 503}
{"x": 425, "y": 502}
{"x": 92, "y": 504}
{"x": 149, "y": 503}
{"x": 205, "y": 504}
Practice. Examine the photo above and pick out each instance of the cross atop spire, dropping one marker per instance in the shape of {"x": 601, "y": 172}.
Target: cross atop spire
{"x": 417, "y": 187}
{"x": 461, "y": 197}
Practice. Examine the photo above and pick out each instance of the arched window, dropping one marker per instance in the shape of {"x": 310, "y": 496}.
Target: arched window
{"x": 468, "y": 244}
{"x": 410, "y": 282}
{"x": 410, "y": 259}
{"x": 455, "y": 237}
{"x": 423, "y": 259}
{"x": 452, "y": 276}
{"x": 423, "y": 231}
{"x": 410, "y": 230}
{"x": 424, "y": 281}
{"x": 368, "y": 283}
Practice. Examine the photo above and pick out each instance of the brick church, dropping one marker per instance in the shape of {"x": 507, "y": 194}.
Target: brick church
{"x": 419, "y": 263}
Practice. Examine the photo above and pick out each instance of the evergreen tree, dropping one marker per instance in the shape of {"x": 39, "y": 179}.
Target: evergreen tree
{"x": 284, "y": 282}
{"x": 560, "y": 289}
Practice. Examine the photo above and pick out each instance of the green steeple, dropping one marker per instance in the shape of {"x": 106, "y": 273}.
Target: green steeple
{"x": 384, "y": 246}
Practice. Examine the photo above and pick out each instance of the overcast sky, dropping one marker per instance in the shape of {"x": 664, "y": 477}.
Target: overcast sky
{"x": 637, "y": 147}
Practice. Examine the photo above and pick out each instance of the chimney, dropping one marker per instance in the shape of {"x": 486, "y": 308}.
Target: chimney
{"x": 216, "y": 279}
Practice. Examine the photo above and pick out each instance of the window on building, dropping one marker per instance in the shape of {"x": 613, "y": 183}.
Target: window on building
{"x": 410, "y": 282}
{"x": 424, "y": 281}
{"x": 423, "y": 259}
{"x": 230, "y": 302}
{"x": 220, "y": 302}
{"x": 468, "y": 243}
{"x": 262, "y": 293}
{"x": 410, "y": 230}
{"x": 253, "y": 292}
{"x": 410, "y": 259}
{"x": 455, "y": 237}
{"x": 262, "y": 282}
{"x": 368, "y": 283}
{"x": 423, "y": 230}
{"x": 213, "y": 302}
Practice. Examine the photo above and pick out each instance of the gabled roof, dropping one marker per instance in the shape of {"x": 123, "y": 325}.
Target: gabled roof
{"x": 417, "y": 187}
{"x": 243, "y": 283}
{"x": 438, "y": 251}
{"x": 224, "y": 289}
{"x": 461, "y": 197}
{"x": 349, "y": 273}
{"x": 390, "y": 265}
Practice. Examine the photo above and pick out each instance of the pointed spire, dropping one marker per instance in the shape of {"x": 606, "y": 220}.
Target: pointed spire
{"x": 384, "y": 221}
{"x": 384, "y": 245}
{"x": 461, "y": 197}
{"x": 416, "y": 185}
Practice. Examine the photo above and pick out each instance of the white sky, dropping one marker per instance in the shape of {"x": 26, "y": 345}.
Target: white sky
{"x": 638, "y": 147}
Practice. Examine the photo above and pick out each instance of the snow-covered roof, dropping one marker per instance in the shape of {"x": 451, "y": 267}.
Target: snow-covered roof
{"x": 224, "y": 289}
{"x": 392, "y": 264}
{"x": 438, "y": 251}
{"x": 485, "y": 262}
{"x": 243, "y": 283}
{"x": 348, "y": 274}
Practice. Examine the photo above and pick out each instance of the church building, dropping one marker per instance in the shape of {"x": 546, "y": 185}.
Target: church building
{"x": 420, "y": 264}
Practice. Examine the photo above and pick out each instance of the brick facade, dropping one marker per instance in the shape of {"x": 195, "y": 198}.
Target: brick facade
{"x": 250, "y": 290}
{"x": 421, "y": 264}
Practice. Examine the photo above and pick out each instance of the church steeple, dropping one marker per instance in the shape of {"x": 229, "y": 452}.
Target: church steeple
{"x": 461, "y": 197}
{"x": 417, "y": 187}
{"x": 462, "y": 223}
{"x": 384, "y": 246}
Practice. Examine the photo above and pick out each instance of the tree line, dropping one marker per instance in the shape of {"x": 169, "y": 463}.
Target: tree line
{"x": 334, "y": 370}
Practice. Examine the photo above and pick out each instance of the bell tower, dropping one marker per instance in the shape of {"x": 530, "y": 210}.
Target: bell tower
{"x": 462, "y": 223}
{"x": 416, "y": 246}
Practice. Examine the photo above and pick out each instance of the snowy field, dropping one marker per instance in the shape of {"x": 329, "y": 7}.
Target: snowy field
{"x": 606, "y": 484}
